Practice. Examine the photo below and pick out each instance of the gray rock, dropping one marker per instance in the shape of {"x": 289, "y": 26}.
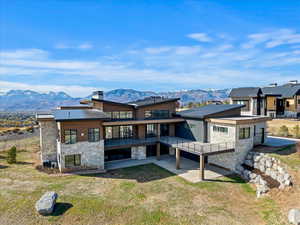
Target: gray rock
{"x": 249, "y": 162}
{"x": 294, "y": 216}
{"x": 45, "y": 205}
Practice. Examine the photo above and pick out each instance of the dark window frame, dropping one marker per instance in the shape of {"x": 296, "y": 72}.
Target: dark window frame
{"x": 244, "y": 133}
{"x": 72, "y": 134}
{"x": 72, "y": 160}
{"x": 93, "y": 134}
{"x": 119, "y": 132}
{"x": 157, "y": 114}
{"x": 220, "y": 129}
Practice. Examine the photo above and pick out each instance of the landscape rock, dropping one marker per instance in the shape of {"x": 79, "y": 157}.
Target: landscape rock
{"x": 45, "y": 205}
{"x": 294, "y": 216}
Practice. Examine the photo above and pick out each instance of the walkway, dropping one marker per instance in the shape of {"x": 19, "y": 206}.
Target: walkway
{"x": 189, "y": 170}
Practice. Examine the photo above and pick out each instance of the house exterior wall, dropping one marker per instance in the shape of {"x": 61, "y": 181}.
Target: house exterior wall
{"x": 48, "y": 136}
{"x": 171, "y": 106}
{"x": 258, "y": 132}
{"x": 82, "y": 127}
{"x": 92, "y": 155}
{"x": 242, "y": 147}
{"x": 191, "y": 129}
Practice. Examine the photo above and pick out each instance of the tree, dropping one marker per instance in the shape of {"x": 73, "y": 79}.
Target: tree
{"x": 12, "y": 155}
{"x": 284, "y": 131}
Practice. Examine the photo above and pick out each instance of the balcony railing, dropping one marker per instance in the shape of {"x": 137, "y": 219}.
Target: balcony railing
{"x": 129, "y": 141}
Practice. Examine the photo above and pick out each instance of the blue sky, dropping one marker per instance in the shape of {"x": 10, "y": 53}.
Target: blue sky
{"x": 78, "y": 46}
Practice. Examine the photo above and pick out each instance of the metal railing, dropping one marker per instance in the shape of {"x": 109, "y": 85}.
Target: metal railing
{"x": 129, "y": 141}
{"x": 196, "y": 147}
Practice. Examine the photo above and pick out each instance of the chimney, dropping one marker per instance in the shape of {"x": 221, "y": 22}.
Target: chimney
{"x": 97, "y": 95}
{"x": 293, "y": 82}
{"x": 273, "y": 85}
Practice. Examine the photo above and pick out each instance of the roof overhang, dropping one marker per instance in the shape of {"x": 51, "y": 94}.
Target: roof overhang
{"x": 136, "y": 122}
{"x": 239, "y": 120}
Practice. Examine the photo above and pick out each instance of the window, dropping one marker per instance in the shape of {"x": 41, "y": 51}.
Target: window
{"x": 243, "y": 102}
{"x": 70, "y": 136}
{"x": 220, "y": 129}
{"x": 245, "y": 133}
{"x": 120, "y": 114}
{"x": 157, "y": 114}
{"x": 164, "y": 130}
{"x": 151, "y": 130}
{"x": 94, "y": 134}
{"x": 287, "y": 104}
{"x": 298, "y": 101}
{"x": 72, "y": 160}
{"x": 117, "y": 132}
{"x": 254, "y": 131}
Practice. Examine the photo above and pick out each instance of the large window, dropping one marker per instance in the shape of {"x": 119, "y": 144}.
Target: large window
{"x": 220, "y": 129}
{"x": 72, "y": 160}
{"x": 243, "y": 102}
{"x": 157, "y": 114}
{"x": 151, "y": 130}
{"x": 244, "y": 133}
{"x": 164, "y": 130}
{"x": 120, "y": 115}
{"x": 94, "y": 134}
{"x": 70, "y": 136}
{"x": 117, "y": 132}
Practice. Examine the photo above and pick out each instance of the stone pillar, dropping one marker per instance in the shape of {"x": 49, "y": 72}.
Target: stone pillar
{"x": 177, "y": 158}
{"x": 138, "y": 152}
{"x": 201, "y": 167}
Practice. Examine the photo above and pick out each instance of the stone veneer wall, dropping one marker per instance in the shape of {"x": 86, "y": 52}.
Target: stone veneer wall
{"x": 242, "y": 147}
{"x": 92, "y": 154}
{"x": 138, "y": 152}
{"x": 258, "y": 136}
{"x": 48, "y": 135}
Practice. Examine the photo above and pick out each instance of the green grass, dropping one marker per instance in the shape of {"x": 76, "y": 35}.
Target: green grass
{"x": 144, "y": 194}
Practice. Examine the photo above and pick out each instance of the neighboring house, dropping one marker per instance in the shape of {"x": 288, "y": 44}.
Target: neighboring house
{"x": 87, "y": 137}
{"x": 274, "y": 101}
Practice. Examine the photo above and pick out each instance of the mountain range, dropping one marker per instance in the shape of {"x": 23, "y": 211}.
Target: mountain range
{"x": 27, "y": 100}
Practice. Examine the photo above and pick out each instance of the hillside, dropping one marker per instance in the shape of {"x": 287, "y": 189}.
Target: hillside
{"x": 27, "y": 100}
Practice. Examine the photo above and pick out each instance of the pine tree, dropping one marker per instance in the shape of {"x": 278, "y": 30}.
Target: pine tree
{"x": 12, "y": 155}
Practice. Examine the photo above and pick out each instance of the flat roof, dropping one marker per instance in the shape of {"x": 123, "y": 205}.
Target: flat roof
{"x": 78, "y": 114}
{"x": 240, "y": 119}
{"x": 205, "y": 111}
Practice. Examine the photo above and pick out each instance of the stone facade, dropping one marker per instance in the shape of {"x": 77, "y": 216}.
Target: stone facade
{"x": 242, "y": 147}
{"x": 92, "y": 154}
{"x": 48, "y": 135}
{"x": 258, "y": 133}
{"x": 138, "y": 152}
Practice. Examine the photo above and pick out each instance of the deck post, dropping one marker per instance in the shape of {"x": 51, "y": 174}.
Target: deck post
{"x": 177, "y": 158}
{"x": 158, "y": 151}
{"x": 201, "y": 167}
{"x": 158, "y": 143}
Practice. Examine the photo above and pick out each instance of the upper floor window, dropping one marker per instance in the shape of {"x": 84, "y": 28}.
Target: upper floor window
{"x": 287, "y": 104}
{"x": 117, "y": 132}
{"x": 70, "y": 136}
{"x": 220, "y": 129}
{"x": 151, "y": 130}
{"x": 157, "y": 114}
{"x": 243, "y": 102}
{"x": 94, "y": 134}
{"x": 244, "y": 133}
{"x": 298, "y": 101}
{"x": 120, "y": 114}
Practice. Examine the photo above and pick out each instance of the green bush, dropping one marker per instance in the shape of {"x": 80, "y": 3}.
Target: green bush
{"x": 284, "y": 131}
{"x": 297, "y": 131}
{"x": 12, "y": 155}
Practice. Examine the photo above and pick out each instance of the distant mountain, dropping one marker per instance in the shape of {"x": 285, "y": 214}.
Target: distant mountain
{"x": 27, "y": 100}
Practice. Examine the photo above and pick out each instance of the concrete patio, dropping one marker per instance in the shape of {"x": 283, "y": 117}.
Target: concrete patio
{"x": 189, "y": 169}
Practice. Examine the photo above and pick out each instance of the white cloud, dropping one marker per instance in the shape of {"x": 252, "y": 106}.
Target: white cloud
{"x": 24, "y": 54}
{"x": 83, "y": 46}
{"x": 202, "y": 37}
{"x": 273, "y": 39}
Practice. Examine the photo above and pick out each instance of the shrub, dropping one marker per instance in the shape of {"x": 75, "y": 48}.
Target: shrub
{"x": 284, "y": 131}
{"x": 297, "y": 131}
{"x": 12, "y": 155}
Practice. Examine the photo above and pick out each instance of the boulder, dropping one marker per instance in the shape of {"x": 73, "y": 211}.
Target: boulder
{"x": 294, "y": 216}
{"x": 45, "y": 205}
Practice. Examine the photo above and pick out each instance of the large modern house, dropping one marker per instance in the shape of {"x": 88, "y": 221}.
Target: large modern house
{"x": 273, "y": 101}
{"x": 100, "y": 131}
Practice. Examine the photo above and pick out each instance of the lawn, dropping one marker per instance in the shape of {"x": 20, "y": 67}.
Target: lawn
{"x": 144, "y": 194}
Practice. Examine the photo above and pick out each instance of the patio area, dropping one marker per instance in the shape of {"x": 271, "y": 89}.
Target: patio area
{"x": 189, "y": 169}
